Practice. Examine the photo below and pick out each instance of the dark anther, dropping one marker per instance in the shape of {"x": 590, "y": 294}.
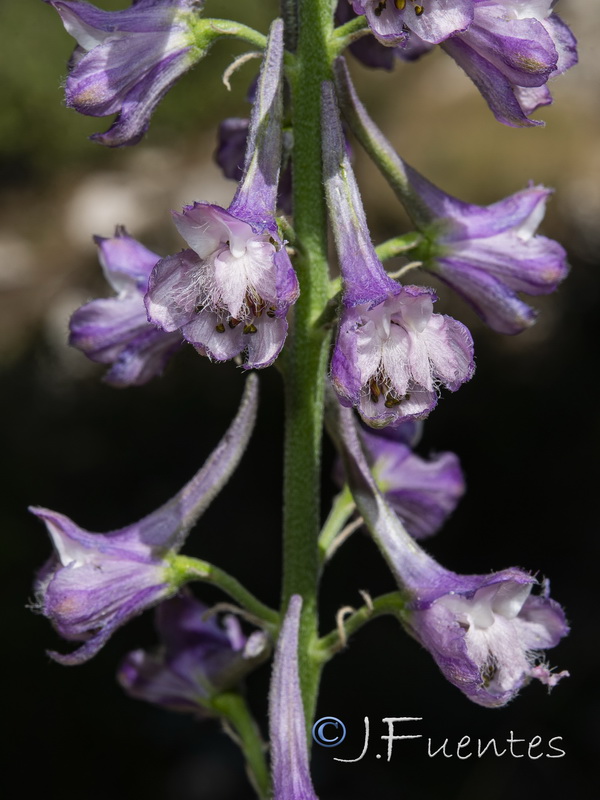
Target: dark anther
{"x": 250, "y": 328}
{"x": 220, "y": 328}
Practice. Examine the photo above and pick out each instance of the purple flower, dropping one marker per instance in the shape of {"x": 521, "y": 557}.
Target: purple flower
{"x": 125, "y": 61}
{"x": 94, "y": 582}
{"x": 510, "y": 52}
{"x": 433, "y": 20}
{"x": 231, "y": 291}
{"x": 422, "y": 492}
{"x": 485, "y": 632}
{"x": 488, "y": 254}
{"x": 116, "y": 330}
{"x": 392, "y": 352}
{"x": 197, "y": 660}
{"x": 289, "y": 754}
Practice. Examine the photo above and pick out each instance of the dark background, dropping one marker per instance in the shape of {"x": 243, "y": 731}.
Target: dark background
{"x": 526, "y": 430}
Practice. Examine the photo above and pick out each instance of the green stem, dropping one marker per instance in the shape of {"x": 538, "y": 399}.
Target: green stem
{"x": 308, "y": 344}
{"x": 398, "y": 245}
{"x": 342, "y": 509}
{"x": 234, "y": 708}
{"x": 186, "y": 569}
{"x": 346, "y": 34}
{"x": 391, "y": 603}
{"x": 226, "y": 27}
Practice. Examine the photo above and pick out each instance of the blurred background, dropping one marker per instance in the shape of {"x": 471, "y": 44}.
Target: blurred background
{"x": 526, "y": 429}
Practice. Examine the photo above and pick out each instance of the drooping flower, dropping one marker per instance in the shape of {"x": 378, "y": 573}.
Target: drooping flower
{"x": 197, "y": 659}
{"x": 231, "y": 291}
{"x": 116, "y": 330}
{"x": 422, "y": 492}
{"x": 125, "y": 61}
{"x": 432, "y": 20}
{"x": 485, "y": 632}
{"x": 392, "y": 352}
{"x": 95, "y": 582}
{"x": 289, "y": 754}
{"x": 488, "y": 254}
{"x": 510, "y": 52}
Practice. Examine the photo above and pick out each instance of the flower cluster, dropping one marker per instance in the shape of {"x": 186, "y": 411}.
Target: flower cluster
{"x": 231, "y": 294}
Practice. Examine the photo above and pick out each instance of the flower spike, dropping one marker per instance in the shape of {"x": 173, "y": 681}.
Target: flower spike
{"x": 231, "y": 291}
{"x": 116, "y": 330}
{"x": 126, "y": 61}
{"x": 289, "y": 753}
{"x": 392, "y": 351}
{"x": 488, "y": 254}
{"x": 96, "y": 582}
{"x": 484, "y": 631}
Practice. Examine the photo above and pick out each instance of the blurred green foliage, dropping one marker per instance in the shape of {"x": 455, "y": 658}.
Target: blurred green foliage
{"x": 37, "y": 133}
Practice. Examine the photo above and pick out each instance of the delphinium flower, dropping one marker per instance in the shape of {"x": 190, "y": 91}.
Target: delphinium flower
{"x": 510, "y": 51}
{"x": 197, "y": 660}
{"x": 485, "y": 632}
{"x": 423, "y": 492}
{"x": 125, "y": 61}
{"x": 231, "y": 291}
{"x": 289, "y": 753}
{"x": 94, "y": 582}
{"x": 392, "y": 352}
{"x": 116, "y": 330}
{"x": 432, "y": 20}
{"x": 488, "y": 254}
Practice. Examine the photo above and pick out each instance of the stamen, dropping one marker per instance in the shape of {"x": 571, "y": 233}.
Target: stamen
{"x": 489, "y": 671}
{"x": 220, "y": 328}
{"x": 400, "y": 4}
{"x": 392, "y": 400}
{"x": 419, "y": 10}
{"x": 233, "y": 322}
{"x": 380, "y": 8}
{"x": 374, "y": 390}
{"x": 251, "y": 328}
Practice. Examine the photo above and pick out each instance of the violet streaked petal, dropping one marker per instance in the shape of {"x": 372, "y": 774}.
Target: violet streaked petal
{"x": 495, "y": 88}
{"x": 170, "y": 302}
{"x": 125, "y": 261}
{"x": 289, "y": 753}
{"x": 144, "y": 358}
{"x": 197, "y": 660}
{"x": 256, "y": 196}
{"x": 365, "y": 280}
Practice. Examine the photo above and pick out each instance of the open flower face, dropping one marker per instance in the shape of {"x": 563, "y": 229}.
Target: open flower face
{"x": 390, "y": 358}
{"x": 432, "y": 20}
{"x": 230, "y": 293}
{"x": 487, "y": 641}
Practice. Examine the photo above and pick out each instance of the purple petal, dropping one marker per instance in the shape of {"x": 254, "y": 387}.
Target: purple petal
{"x": 289, "y": 754}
